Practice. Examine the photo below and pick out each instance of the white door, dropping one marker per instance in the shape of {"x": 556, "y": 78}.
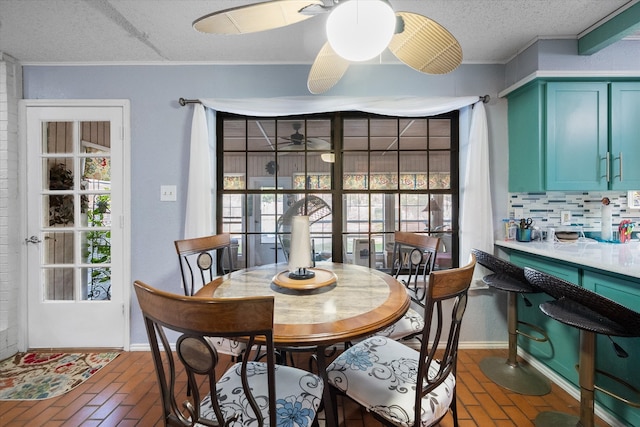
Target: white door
{"x": 77, "y": 244}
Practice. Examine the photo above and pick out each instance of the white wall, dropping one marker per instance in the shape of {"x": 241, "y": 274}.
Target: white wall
{"x": 160, "y": 142}
{"x": 11, "y": 242}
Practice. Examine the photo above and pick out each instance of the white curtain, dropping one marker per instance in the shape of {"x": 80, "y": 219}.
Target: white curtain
{"x": 199, "y": 213}
{"x": 476, "y": 214}
{"x": 405, "y": 106}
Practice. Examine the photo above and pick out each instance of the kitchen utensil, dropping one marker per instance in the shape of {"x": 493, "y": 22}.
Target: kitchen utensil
{"x": 526, "y": 223}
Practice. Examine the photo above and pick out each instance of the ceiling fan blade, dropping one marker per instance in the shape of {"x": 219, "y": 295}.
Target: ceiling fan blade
{"x": 255, "y": 17}
{"x": 311, "y": 144}
{"x": 318, "y": 144}
{"x": 425, "y": 45}
{"x": 327, "y": 70}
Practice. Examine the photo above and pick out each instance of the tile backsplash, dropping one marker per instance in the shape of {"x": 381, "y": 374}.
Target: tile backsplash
{"x": 545, "y": 208}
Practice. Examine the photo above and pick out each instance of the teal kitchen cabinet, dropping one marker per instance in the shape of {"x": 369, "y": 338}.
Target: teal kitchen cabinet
{"x": 526, "y": 138}
{"x": 561, "y": 352}
{"x": 624, "y": 291}
{"x": 574, "y": 135}
{"x": 625, "y": 136}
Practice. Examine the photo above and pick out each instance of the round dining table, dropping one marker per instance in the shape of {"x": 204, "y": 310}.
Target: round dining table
{"x": 357, "y": 302}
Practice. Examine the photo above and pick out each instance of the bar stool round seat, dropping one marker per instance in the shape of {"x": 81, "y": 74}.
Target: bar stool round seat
{"x": 592, "y": 314}
{"x": 509, "y": 373}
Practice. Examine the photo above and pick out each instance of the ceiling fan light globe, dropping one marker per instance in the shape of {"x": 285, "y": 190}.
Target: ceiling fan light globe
{"x": 359, "y": 30}
{"x": 328, "y": 157}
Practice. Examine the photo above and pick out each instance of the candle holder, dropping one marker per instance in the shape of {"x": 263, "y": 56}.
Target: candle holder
{"x": 301, "y": 273}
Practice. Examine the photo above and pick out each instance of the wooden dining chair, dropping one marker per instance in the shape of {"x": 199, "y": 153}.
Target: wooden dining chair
{"x": 401, "y": 386}
{"x": 202, "y": 259}
{"x": 249, "y": 393}
{"x": 414, "y": 257}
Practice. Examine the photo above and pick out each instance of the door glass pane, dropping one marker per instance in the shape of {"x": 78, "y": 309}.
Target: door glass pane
{"x": 59, "y": 284}
{"x": 77, "y": 196}
{"x": 58, "y": 247}
{"x": 96, "y": 283}
{"x": 58, "y": 137}
{"x": 58, "y": 210}
{"x": 97, "y": 210}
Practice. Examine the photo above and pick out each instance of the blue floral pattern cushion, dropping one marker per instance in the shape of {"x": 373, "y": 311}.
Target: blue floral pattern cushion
{"x": 380, "y": 374}
{"x": 411, "y": 323}
{"x": 298, "y": 395}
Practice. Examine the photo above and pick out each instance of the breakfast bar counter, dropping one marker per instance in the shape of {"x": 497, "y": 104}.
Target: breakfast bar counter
{"x": 618, "y": 258}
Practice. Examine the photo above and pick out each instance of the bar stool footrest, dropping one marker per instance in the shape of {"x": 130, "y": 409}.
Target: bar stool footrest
{"x": 544, "y": 337}
{"x": 635, "y": 404}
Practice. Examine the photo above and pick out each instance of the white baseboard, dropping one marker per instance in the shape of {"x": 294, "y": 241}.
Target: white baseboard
{"x": 140, "y": 347}
{"x": 483, "y": 345}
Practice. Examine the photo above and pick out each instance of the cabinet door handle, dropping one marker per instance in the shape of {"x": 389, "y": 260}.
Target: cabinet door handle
{"x": 607, "y": 172}
{"x": 620, "y": 164}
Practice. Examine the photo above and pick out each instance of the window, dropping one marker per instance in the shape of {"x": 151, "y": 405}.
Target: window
{"x": 384, "y": 174}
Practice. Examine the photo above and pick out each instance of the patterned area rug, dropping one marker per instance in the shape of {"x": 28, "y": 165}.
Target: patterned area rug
{"x": 36, "y": 376}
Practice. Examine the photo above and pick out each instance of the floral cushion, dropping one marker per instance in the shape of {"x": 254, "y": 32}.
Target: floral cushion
{"x": 412, "y": 322}
{"x": 227, "y": 346}
{"x": 380, "y": 374}
{"x": 298, "y": 395}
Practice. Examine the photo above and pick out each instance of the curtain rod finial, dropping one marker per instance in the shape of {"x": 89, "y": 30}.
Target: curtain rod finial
{"x": 485, "y": 99}
{"x": 184, "y": 101}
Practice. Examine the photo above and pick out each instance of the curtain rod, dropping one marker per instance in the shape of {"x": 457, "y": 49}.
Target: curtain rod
{"x": 182, "y": 101}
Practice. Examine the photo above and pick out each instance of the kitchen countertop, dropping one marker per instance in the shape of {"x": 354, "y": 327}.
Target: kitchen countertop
{"x": 620, "y": 258}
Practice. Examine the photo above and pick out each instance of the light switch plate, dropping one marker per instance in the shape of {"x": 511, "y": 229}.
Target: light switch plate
{"x": 168, "y": 193}
{"x": 565, "y": 218}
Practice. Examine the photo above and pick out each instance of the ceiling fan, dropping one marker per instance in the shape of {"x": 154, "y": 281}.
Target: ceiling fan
{"x": 414, "y": 39}
{"x": 297, "y": 142}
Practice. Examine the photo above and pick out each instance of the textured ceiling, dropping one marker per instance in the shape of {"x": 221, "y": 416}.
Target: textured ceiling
{"x": 145, "y": 31}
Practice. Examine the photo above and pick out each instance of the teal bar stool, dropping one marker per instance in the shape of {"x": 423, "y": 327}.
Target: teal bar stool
{"x": 592, "y": 314}
{"x": 509, "y": 373}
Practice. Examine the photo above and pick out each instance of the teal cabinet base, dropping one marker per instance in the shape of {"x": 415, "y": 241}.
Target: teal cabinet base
{"x": 608, "y": 362}
{"x": 560, "y": 354}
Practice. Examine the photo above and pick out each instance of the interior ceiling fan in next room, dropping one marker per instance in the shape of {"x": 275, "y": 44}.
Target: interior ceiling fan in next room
{"x": 297, "y": 141}
{"x": 357, "y": 30}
